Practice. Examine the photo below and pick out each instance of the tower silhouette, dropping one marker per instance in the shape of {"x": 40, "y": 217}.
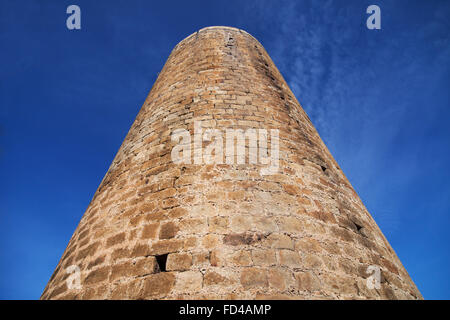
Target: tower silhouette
{"x": 201, "y": 228}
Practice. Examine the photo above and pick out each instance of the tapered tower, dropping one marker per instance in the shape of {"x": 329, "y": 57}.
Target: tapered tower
{"x": 223, "y": 189}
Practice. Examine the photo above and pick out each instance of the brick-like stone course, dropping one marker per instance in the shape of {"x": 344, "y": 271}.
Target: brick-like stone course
{"x": 227, "y": 231}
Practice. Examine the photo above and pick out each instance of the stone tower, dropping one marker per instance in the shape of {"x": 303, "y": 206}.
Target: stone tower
{"x": 214, "y": 225}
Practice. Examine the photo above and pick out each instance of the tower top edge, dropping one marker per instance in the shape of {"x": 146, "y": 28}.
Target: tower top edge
{"x": 213, "y": 29}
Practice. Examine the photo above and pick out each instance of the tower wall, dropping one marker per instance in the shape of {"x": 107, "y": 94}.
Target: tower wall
{"x": 225, "y": 230}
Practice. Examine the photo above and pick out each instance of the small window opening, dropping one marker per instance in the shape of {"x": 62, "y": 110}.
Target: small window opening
{"x": 161, "y": 260}
{"x": 358, "y": 227}
{"x": 323, "y": 168}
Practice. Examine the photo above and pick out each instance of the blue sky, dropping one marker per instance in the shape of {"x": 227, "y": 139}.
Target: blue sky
{"x": 379, "y": 98}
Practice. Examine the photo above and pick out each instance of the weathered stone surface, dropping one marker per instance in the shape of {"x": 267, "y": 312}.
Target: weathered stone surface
{"x": 201, "y": 258}
{"x": 311, "y": 261}
{"x": 179, "y": 261}
{"x": 217, "y": 258}
{"x": 213, "y": 278}
{"x": 114, "y": 240}
{"x": 218, "y": 224}
{"x": 241, "y": 258}
{"x": 254, "y": 278}
{"x": 98, "y": 275}
{"x": 227, "y": 230}
{"x": 280, "y": 279}
{"x": 145, "y": 266}
{"x": 196, "y": 226}
{"x": 121, "y": 270}
{"x": 123, "y": 291}
{"x": 168, "y": 230}
{"x": 150, "y": 231}
{"x": 279, "y": 241}
{"x": 236, "y": 239}
{"x": 264, "y": 258}
{"x": 307, "y": 245}
{"x": 157, "y": 285}
{"x": 289, "y": 258}
{"x": 189, "y": 281}
{"x": 307, "y": 281}
{"x": 165, "y": 246}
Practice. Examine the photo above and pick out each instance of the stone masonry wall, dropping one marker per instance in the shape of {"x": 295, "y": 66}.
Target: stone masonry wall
{"x": 225, "y": 230}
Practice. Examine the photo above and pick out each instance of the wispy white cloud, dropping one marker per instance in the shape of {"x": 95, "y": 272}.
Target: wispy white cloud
{"x": 359, "y": 87}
